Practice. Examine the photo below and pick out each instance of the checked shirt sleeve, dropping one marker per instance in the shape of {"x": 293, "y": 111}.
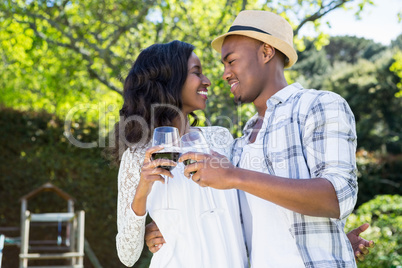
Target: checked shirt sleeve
{"x": 330, "y": 142}
{"x": 130, "y": 227}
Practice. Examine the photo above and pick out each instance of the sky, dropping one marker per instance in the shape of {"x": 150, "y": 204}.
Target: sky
{"x": 379, "y": 22}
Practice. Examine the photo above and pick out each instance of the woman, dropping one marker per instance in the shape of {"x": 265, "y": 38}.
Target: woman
{"x": 164, "y": 87}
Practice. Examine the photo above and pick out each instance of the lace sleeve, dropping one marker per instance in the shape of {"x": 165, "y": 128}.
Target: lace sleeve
{"x": 130, "y": 227}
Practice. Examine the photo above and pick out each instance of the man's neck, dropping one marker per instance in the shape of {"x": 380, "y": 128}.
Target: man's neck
{"x": 261, "y": 102}
{"x": 256, "y": 129}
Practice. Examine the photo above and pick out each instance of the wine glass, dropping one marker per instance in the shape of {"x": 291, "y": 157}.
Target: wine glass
{"x": 194, "y": 141}
{"x": 169, "y": 138}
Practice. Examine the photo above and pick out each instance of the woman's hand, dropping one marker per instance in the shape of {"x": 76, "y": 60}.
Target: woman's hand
{"x": 150, "y": 172}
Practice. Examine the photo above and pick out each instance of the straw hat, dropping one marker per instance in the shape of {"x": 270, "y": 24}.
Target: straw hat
{"x": 265, "y": 26}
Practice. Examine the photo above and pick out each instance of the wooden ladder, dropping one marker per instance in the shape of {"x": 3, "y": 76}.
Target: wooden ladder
{"x": 77, "y": 240}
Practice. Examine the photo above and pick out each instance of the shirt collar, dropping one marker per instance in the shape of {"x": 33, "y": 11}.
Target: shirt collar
{"x": 284, "y": 94}
{"x": 250, "y": 123}
{"x": 279, "y": 97}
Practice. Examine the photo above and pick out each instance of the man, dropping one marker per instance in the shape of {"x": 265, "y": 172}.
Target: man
{"x": 295, "y": 164}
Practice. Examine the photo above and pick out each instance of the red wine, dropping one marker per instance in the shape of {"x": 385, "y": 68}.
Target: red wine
{"x": 174, "y": 156}
{"x": 188, "y": 162}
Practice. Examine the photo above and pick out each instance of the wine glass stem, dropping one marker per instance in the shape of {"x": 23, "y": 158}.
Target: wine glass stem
{"x": 210, "y": 199}
{"x": 166, "y": 191}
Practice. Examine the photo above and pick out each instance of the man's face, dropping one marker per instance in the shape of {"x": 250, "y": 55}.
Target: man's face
{"x": 243, "y": 67}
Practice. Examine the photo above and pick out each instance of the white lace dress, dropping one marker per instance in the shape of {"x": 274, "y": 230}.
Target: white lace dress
{"x": 194, "y": 237}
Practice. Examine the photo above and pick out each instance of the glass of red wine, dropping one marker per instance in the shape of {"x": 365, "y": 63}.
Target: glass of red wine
{"x": 169, "y": 138}
{"x": 194, "y": 141}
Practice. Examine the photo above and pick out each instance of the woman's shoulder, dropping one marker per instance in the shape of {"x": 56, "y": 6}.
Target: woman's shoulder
{"x": 216, "y": 131}
{"x": 133, "y": 153}
{"x": 221, "y": 130}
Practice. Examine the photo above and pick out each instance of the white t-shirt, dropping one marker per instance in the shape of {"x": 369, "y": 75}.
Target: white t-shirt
{"x": 268, "y": 239}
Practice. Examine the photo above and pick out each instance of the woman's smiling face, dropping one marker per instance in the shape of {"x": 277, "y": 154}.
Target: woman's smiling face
{"x": 194, "y": 91}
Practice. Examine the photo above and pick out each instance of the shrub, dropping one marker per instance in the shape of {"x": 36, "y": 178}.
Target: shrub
{"x": 34, "y": 151}
{"x": 384, "y": 214}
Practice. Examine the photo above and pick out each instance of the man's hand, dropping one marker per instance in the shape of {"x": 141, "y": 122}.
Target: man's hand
{"x": 360, "y": 245}
{"x": 153, "y": 237}
{"x": 213, "y": 170}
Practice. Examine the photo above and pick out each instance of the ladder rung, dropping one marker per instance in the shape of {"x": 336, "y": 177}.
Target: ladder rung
{"x": 49, "y": 223}
{"x": 51, "y": 256}
{"x": 62, "y": 266}
{"x": 9, "y": 229}
{"x": 51, "y": 217}
{"x": 49, "y": 248}
{"x": 43, "y": 242}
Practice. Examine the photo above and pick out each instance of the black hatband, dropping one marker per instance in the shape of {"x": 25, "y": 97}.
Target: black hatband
{"x": 245, "y": 28}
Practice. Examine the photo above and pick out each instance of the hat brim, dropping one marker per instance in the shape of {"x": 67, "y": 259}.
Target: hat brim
{"x": 277, "y": 43}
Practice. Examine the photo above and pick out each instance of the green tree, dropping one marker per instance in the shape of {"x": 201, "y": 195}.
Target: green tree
{"x": 396, "y": 68}
{"x": 372, "y": 88}
{"x": 71, "y": 49}
{"x": 350, "y": 49}
{"x": 312, "y": 65}
{"x": 397, "y": 43}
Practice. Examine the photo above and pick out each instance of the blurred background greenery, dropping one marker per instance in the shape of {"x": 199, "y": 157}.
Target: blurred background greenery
{"x": 63, "y": 64}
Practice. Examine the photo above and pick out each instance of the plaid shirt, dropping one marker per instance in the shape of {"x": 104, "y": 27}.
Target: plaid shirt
{"x": 311, "y": 134}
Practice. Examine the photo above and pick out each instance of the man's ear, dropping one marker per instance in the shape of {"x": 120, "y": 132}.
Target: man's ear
{"x": 268, "y": 52}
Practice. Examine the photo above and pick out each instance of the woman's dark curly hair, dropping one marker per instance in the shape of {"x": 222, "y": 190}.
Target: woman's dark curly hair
{"x": 152, "y": 94}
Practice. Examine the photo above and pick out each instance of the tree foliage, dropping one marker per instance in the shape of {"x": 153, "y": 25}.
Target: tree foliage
{"x": 396, "y": 67}
{"x": 71, "y": 56}
{"x": 350, "y": 49}
{"x": 371, "y": 85}
{"x": 370, "y": 89}
{"x": 58, "y": 53}
{"x": 369, "y": 81}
